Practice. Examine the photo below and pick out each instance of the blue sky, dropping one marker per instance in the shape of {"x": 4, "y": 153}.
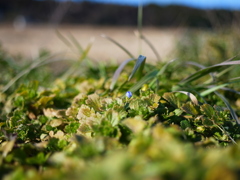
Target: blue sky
{"x": 203, "y": 4}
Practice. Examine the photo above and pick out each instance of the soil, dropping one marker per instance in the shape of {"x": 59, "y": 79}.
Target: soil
{"x": 29, "y": 40}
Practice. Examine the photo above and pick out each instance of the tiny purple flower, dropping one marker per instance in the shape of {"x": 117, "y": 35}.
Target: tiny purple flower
{"x": 129, "y": 94}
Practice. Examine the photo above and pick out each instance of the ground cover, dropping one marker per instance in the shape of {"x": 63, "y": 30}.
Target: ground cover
{"x": 170, "y": 120}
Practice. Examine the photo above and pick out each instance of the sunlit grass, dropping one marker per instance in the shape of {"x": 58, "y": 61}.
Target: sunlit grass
{"x": 176, "y": 119}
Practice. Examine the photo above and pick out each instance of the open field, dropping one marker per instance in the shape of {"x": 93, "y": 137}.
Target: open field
{"x": 29, "y": 41}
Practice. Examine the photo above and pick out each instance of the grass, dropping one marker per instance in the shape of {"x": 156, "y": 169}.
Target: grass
{"x": 179, "y": 119}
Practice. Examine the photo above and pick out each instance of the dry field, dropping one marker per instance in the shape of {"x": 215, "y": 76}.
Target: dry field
{"x": 31, "y": 39}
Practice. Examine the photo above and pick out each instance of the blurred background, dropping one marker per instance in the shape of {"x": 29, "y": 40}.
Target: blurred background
{"x": 28, "y": 27}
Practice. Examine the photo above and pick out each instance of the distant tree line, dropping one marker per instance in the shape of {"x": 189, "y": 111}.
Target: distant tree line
{"x": 84, "y": 12}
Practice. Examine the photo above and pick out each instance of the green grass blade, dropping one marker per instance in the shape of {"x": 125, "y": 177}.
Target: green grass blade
{"x": 201, "y": 67}
{"x": 235, "y": 78}
{"x": 143, "y": 80}
{"x": 208, "y": 70}
{"x": 76, "y": 65}
{"x": 214, "y": 88}
{"x": 234, "y": 115}
{"x": 219, "y": 74}
{"x": 36, "y": 63}
{"x": 228, "y": 89}
{"x": 118, "y": 71}
{"x": 86, "y": 51}
{"x": 118, "y": 44}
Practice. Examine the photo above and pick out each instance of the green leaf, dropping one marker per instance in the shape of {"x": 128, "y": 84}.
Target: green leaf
{"x": 19, "y": 101}
{"x": 113, "y": 117}
{"x": 234, "y": 115}
{"x": 185, "y": 124}
{"x": 191, "y": 108}
{"x": 138, "y": 66}
{"x": 37, "y": 160}
{"x": 94, "y": 102}
{"x": 72, "y": 127}
{"x": 171, "y": 98}
{"x": 44, "y": 101}
{"x": 136, "y": 124}
{"x": 208, "y": 110}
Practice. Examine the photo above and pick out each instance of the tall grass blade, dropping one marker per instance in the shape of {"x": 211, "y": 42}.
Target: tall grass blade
{"x": 138, "y": 34}
{"x": 143, "y": 80}
{"x": 214, "y": 88}
{"x": 151, "y": 47}
{"x": 63, "y": 39}
{"x": 75, "y": 43}
{"x": 118, "y": 44}
{"x": 71, "y": 42}
{"x": 140, "y": 16}
{"x": 118, "y": 72}
{"x": 202, "y": 67}
{"x": 138, "y": 66}
{"x": 25, "y": 71}
{"x": 76, "y": 65}
{"x": 227, "y": 89}
{"x": 139, "y": 20}
{"x": 235, "y": 78}
{"x": 208, "y": 70}
{"x": 86, "y": 51}
{"x": 219, "y": 74}
{"x": 234, "y": 115}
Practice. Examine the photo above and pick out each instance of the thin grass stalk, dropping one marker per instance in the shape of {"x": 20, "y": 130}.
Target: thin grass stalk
{"x": 232, "y": 112}
{"x": 76, "y": 65}
{"x": 139, "y": 20}
{"x": 118, "y": 44}
{"x": 225, "y": 132}
{"x": 25, "y": 71}
{"x": 151, "y": 46}
{"x": 75, "y": 42}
